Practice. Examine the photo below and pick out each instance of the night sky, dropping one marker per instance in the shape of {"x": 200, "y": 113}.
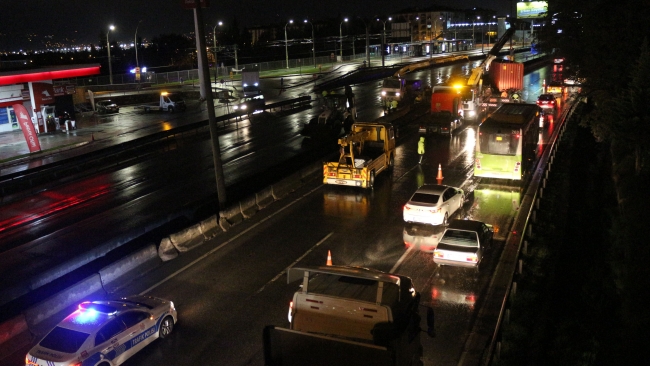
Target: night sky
{"x": 83, "y": 20}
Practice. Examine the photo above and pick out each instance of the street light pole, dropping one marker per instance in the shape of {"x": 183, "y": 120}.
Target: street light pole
{"x": 214, "y": 44}
{"x": 313, "y": 41}
{"x": 341, "y": 36}
{"x": 286, "y": 46}
{"x": 383, "y": 40}
{"x": 108, "y": 46}
{"x": 137, "y": 64}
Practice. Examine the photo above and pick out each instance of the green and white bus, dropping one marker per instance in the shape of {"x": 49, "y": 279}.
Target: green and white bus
{"x": 506, "y": 142}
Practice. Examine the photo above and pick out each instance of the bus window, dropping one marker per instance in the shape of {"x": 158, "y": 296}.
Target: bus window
{"x": 498, "y": 143}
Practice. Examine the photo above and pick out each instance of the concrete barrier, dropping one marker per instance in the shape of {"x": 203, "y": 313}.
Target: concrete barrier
{"x": 187, "y": 238}
{"x": 264, "y": 197}
{"x": 166, "y": 250}
{"x": 71, "y": 295}
{"x": 210, "y": 227}
{"x": 286, "y": 186}
{"x": 248, "y": 206}
{"x": 232, "y": 215}
{"x": 14, "y": 334}
{"x": 143, "y": 259}
{"x": 312, "y": 171}
{"x": 13, "y": 291}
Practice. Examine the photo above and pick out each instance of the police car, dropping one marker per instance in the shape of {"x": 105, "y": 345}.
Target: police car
{"x": 105, "y": 333}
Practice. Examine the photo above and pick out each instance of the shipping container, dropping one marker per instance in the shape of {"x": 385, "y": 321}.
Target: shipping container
{"x": 507, "y": 75}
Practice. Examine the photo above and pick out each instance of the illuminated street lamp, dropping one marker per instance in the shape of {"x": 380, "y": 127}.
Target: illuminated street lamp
{"x": 313, "y": 40}
{"x": 383, "y": 39}
{"x": 214, "y": 44}
{"x": 286, "y": 47}
{"x": 341, "y": 36}
{"x": 108, "y": 46}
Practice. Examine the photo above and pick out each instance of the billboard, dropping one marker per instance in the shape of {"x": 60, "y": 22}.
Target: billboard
{"x": 531, "y": 9}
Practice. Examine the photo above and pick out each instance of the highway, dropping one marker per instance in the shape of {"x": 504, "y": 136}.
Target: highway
{"x": 229, "y": 288}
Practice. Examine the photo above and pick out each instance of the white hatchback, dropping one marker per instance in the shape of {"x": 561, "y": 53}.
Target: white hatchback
{"x": 433, "y": 204}
{"x": 104, "y": 333}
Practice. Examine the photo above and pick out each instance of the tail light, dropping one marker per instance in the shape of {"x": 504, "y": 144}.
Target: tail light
{"x": 406, "y": 208}
{"x": 478, "y": 163}
{"x": 435, "y": 210}
{"x": 472, "y": 258}
{"x": 438, "y": 254}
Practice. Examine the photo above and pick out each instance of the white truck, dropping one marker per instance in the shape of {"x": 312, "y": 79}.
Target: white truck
{"x": 345, "y": 315}
{"x": 169, "y": 102}
{"x": 250, "y": 81}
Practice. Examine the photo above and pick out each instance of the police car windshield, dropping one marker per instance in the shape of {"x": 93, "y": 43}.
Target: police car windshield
{"x": 64, "y": 340}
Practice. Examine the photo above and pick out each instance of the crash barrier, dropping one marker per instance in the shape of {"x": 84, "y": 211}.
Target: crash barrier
{"x": 524, "y": 230}
{"x": 112, "y": 272}
{"x": 70, "y": 296}
{"x": 293, "y": 103}
{"x": 504, "y": 282}
{"x": 248, "y": 206}
{"x": 230, "y": 216}
{"x": 286, "y": 186}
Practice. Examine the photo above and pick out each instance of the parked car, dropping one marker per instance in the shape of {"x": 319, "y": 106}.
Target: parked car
{"x": 106, "y": 106}
{"x": 105, "y": 330}
{"x": 463, "y": 244}
{"x": 433, "y": 204}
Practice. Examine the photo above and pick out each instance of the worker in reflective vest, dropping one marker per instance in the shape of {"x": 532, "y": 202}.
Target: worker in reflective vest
{"x": 421, "y": 148}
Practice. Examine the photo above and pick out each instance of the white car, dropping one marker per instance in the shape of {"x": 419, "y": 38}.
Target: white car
{"x": 433, "y": 204}
{"x": 105, "y": 333}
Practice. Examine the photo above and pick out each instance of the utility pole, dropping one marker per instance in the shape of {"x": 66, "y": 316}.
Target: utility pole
{"x": 206, "y": 94}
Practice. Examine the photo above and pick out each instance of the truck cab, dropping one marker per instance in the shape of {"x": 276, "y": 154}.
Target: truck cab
{"x": 393, "y": 89}
{"x": 343, "y": 315}
{"x": 171, "y": 102}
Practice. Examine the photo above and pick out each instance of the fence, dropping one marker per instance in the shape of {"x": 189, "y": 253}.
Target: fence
{"x": 173, "y": 77}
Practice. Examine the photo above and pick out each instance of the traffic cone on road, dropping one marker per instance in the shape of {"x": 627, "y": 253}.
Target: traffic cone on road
{"x": 329, "y": 258}
{"x": 439, "y": 178}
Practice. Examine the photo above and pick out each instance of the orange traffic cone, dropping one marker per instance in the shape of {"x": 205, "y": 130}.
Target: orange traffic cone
{"x": 439, "y": 178}
{"x": 329, "y": 258}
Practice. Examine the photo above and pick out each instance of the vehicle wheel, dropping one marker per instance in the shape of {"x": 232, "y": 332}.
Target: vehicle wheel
{"x": 445, "y": 221}
{"x": 391, "y": 163}
{"x": 166, "y": 327}
{"x": 171, "y": 109}
{"x": 371, "y": 181}
{"x": 117, "y": 111}
{"x": 146, "y": 109}
{"x": 104, "y": 364}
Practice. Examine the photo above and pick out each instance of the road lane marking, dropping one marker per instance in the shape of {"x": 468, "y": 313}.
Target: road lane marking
{"x": 294, "y": 263}
{"x": 227, "y": 242}
{"x": 401, "y": 259}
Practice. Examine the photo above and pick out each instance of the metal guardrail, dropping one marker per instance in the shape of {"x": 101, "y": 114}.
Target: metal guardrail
{"x": 520, "y": 233}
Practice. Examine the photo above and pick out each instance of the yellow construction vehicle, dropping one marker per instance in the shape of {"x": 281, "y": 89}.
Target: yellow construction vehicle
{"x": 366, "y": 151}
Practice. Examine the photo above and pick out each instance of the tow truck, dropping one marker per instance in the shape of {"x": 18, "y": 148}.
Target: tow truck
{"x": 169, "y": 102}
{"x": 366, "y": 151}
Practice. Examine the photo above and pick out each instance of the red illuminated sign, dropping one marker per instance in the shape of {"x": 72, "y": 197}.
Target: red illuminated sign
{"x": 48, "y": 75}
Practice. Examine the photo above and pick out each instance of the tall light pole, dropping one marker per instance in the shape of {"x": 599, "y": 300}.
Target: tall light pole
{"x": 286, "y": 43}
{"x": 108, "y": 46}
{"x": 341, "y": 36}
{"x": 367, "y": 41}
{"x": 313, "y": 41}
{"x": 214, "y": 44}
{"x": 383, "y": 39}
{"x": 137, "y": 64}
